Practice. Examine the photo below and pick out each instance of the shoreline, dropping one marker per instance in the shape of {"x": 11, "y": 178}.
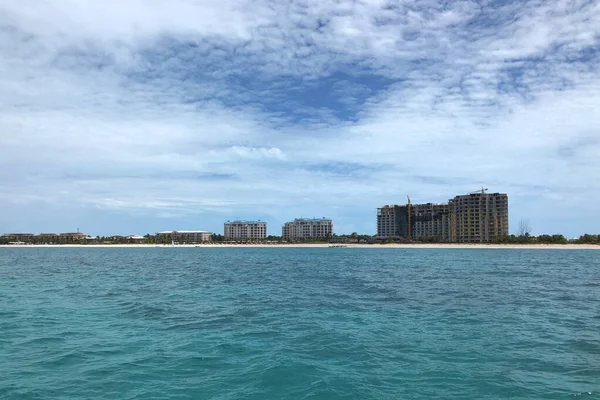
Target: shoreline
{"x": 324, "y": 245}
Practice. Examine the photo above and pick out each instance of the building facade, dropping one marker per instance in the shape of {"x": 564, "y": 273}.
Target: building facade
{"x": 48, "y": 238}
{"x": 183, "y": 237}
{"x": 19, "y": 237}
{"x": 245, "y": 230}
{"x": 479, "y": 217}
{"x": 414, "y": 221}
{"x": 430, "y": 221}
{"x": 392, "y": 221}
{"x": 70, "y": 236}
{"x": 307, "y": 228}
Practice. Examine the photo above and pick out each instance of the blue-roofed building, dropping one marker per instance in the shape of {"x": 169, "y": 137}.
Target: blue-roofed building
{"x": 244, "y": 230}
{"x": 307, "y": 228}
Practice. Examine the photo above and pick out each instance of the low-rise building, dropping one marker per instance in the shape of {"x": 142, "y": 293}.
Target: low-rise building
{"x": 19, "y": 237}
{"x": 183, "y": 237}
{"x": 307, "y": 228}
{"x": 135, "y": 238}
{"x": 47, "y": 238}
{"x": 244, "y": 230}
{"x": 71, "y": 236}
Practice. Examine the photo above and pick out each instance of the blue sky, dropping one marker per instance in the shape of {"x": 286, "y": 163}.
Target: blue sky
{"x": 130, "y": 117}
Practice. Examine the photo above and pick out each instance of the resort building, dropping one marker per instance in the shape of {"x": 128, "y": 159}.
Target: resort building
{"x": 244, "y": 230}
{"x": 307, "y": 228}
{"x": 479, "y": 217}
{"x": 183, "y": 236}
{"x": 19, "y": 237}
{"x": 135, "y": 238}
{"x": 47, "y": 238}
{"x": 71, "y": 236}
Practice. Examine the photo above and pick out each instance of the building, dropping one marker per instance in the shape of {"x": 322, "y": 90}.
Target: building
{"x": 48, "y": 238}
{"x": 71, "y": 236}
{"x": 183, "y": 236}
{"x": 475, "y": 217}
{"x": 426, "y": 221}
{"x": 135, "y": 238}
{"x": 307, "y": 228}
{"x": 479, "y": 217}
{"x": 430, "y": 221}
{"x": 245, "y": 230}
{"x": 19, "y": 237}
{"x": 392, "y": 221}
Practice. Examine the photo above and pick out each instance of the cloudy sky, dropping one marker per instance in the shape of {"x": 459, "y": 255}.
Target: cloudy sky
{"x": 133, "y": 116}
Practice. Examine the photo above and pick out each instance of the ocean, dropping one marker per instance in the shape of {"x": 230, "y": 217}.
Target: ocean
{"x": 289, "y": 323}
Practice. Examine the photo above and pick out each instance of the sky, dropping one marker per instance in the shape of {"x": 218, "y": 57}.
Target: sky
{"x": 137, "y": 116}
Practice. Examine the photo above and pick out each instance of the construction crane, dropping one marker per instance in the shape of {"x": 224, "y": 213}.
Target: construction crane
{"x": 482, "y": 191}
{"x": 408, "y": 212}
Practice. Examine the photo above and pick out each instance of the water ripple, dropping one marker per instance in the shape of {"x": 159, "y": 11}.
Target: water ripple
{"x": 299, "y": 323}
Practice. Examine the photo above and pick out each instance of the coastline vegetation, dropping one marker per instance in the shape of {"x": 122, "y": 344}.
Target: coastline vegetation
{"x": 354, "y": 238}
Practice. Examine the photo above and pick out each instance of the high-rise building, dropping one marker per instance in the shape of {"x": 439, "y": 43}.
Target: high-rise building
{"x": 392, "y": 221}
{"x": 430, "y": 221}
{"x": 307, "y": 228}
{"x": 245, "y": 230}
{"x": 479, "y": 217}
{"x": 425, "y": 221}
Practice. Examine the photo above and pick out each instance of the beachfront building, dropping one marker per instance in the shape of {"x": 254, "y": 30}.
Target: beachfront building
{"x": 479, "y": 217}
{"x": 67, "y": 237}
{"x": 245, "y": 230}
{"x": 414, "y": 221}
{"x": 135, "y": 238}
{"x": 307, "y": 228}
{"x": 430, "y": 221}
{"x": 183, "y": 237}
{"x": 47, "y": 238}
{"x": 392, "y": 221}
{"x": 19, "y": 237}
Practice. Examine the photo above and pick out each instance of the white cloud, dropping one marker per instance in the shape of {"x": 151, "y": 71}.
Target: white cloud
{"x": 246, "y": 108}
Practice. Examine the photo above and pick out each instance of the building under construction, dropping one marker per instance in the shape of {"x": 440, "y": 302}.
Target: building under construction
{"x": 476, "y": 217}
{"x": 479, "y": 217}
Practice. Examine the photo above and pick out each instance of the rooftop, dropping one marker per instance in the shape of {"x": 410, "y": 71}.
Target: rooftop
{"x": 245, "y": 222}
{"x": 168, "y": 232}
{"x": 309, "y": 220}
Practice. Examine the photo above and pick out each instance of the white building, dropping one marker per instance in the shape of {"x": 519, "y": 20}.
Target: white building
{"x": 307, "y": 228}
{"x": 184, "y": 236}
{"x": 245, "y": 230}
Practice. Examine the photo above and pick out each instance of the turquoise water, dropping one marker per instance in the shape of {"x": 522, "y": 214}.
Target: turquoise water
{"x": 200, "y": 323}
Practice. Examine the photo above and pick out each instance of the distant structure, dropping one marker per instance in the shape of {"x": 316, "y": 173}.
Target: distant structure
{"x": 414, "y": 221}
{"x": 392, "y": 221}
{"x": 307, "y": 228}
{"x": 244, "y": 230}
{"x": 183, "y": 237}
{"x": 71, "y": 236}
{"x": 479, "y": 217}
{"x": 475, "y": 217}
{"x": 19, "y": 237}
{"x": 48, "y": 238}
{"x": 430, "y": 221}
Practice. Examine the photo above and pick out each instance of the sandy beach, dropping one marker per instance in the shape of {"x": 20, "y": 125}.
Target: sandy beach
{"x": 325, "y": 245}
